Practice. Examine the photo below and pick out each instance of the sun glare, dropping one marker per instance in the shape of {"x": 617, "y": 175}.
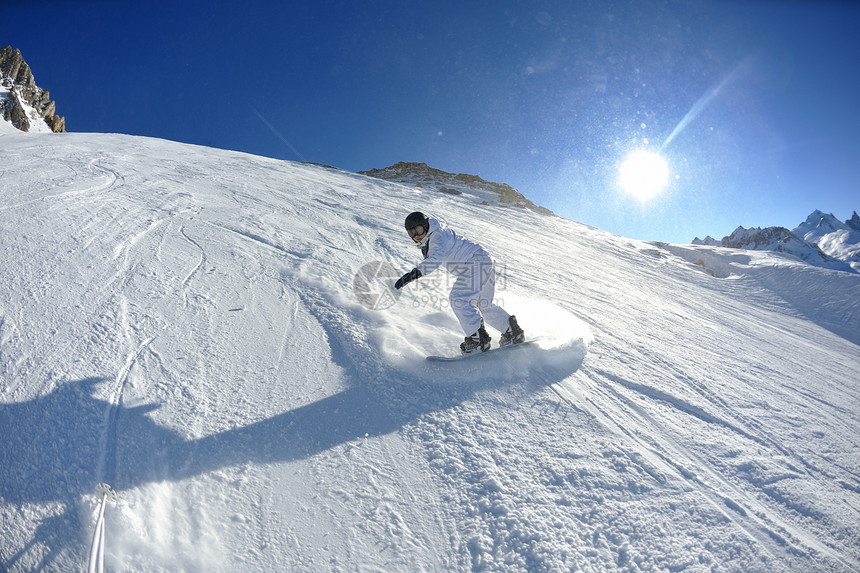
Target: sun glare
{"x": 643, "y": 175}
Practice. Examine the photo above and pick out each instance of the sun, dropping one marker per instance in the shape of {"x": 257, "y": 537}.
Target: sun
{"x": 643, "y": 175}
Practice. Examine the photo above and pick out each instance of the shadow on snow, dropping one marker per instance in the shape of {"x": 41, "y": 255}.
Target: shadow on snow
{"x": 58, "y": 447}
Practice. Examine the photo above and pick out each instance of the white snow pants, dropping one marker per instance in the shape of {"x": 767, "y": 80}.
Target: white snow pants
{"x": 472, "y": 295}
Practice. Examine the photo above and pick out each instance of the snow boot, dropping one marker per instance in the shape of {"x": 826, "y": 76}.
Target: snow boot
{"x": 478, "y": 342}
{"x": 513, "y": 335}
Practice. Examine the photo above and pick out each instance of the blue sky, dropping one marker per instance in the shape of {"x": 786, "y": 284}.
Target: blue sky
{"x": 549, "y": 97}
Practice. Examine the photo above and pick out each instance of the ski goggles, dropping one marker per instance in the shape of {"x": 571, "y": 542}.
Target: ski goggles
{"x": 416, "y": 231}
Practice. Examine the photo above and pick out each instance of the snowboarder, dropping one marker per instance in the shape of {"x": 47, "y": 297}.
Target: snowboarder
{"x": 471, "y": 296}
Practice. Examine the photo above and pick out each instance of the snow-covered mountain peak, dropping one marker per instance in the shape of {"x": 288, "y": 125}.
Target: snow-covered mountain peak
{"x": 819, "y": 224}
{"x": 839, "y": 240}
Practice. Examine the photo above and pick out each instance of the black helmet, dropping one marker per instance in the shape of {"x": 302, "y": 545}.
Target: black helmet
{"x": 417, "y": 218}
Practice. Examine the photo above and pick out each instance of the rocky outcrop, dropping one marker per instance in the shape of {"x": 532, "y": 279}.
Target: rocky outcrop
{"x": 23, "y": 102}
{"x": 424, "y": 176}
{"x": 854, "y": 222}
{"x": 708, "y": 241}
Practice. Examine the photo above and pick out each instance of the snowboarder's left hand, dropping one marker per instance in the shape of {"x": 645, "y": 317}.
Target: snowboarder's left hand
{"x": 407, "y": 278}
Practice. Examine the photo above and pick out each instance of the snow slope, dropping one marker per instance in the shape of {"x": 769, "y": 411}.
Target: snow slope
{"x": 209, "y": 333}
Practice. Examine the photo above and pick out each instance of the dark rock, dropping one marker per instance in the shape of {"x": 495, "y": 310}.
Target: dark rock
{"x": 17, "y": 77}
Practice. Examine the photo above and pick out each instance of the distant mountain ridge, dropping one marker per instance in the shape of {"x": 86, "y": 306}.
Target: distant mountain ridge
{"x": 821, "y": 240}
{"x": 837, "y": 239}
{"x": 426, "y": 177}
{"x": 22, "y": 103}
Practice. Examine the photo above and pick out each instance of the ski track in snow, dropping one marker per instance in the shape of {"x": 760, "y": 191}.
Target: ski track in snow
{"x": 779, "y": 538}
{"x": 180, "y": 322}
{"x": 107, "y": 469}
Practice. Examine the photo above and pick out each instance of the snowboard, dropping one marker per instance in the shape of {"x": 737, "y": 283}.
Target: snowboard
{"x": 477, "y": 354}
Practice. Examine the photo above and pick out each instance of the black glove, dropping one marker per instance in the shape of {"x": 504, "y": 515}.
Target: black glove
{"x": 407, "y": 278}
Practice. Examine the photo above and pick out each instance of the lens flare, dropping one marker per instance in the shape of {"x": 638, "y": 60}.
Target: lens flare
{"x": 643, "y": 175}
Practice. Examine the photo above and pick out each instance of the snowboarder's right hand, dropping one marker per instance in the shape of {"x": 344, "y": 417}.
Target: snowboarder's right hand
{"x": 407, "y": 278}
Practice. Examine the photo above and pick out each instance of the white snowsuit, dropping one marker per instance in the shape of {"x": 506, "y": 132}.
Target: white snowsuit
{"x": 474, "y": 287}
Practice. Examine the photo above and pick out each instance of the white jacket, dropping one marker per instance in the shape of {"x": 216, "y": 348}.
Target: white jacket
{"x": 442, "y": 246}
